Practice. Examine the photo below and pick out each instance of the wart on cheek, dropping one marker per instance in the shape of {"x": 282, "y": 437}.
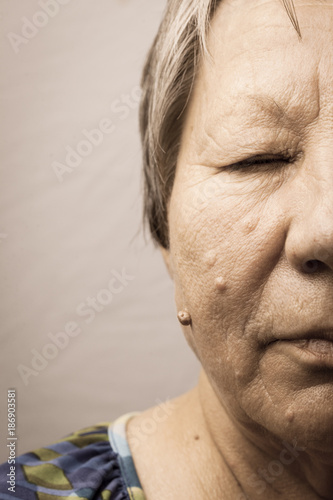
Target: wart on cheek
{"x": 211, "y": 257}
{"x": 220, "y": 284}
{"x": 290, "y": 415}
{"x": 184, "y": 318}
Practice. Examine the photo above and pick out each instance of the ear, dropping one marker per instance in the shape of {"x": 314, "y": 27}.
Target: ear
{"x": 167, "y": 259}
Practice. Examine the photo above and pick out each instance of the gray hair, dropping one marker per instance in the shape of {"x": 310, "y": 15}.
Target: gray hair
{"x": 167, "y": 82}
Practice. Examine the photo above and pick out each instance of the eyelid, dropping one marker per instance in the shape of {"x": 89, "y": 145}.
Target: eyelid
{"x": 262, "y": 159}
{"x": 265, "y": 158}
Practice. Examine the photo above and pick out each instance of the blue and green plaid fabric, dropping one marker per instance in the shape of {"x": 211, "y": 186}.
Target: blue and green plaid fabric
{"x": 94, "y": 463}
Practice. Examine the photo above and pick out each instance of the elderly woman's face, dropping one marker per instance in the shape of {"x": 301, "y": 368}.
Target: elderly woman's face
{"x": 251, "y": 203}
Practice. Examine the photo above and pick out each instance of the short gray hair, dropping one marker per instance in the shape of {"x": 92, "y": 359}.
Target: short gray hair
{"x": 167, "y": 82}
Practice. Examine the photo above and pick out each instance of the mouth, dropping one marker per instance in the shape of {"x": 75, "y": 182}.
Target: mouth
{"x": 310, "y": 335}
{"x": 314, "y": 347}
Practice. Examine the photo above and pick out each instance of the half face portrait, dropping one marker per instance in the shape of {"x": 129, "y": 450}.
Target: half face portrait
{"x": 236, "y": 124}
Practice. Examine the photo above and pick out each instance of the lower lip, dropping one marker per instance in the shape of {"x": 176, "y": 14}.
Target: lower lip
{"x": 316, "y": 352}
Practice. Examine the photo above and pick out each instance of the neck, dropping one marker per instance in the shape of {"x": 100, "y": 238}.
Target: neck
{"x": 259, "y": 465}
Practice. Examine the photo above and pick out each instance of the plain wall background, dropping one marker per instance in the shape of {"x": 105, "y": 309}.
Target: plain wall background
{"x": 61, "y": 239}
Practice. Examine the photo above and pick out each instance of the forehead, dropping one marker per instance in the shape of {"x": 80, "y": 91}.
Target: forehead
{"x": 259, "y": 64}
{"x": 235, "y": 18}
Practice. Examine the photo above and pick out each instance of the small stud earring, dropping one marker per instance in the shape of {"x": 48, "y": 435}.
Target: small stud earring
{"x": 184, "y": 318}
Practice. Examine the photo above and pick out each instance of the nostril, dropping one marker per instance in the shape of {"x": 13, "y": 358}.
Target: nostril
{"x": 311, "y": 266}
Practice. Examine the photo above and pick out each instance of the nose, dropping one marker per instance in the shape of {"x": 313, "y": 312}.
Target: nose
{"x": 309, "y": 242}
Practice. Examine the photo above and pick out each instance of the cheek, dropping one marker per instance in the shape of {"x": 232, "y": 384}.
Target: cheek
{"x": 223, "y": 249}
{"x": 216, "y": 244}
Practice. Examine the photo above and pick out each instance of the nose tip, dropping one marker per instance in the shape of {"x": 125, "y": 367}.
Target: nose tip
{"x": 322, "y": 257}
{"x": 309, "y": 238}
{"x": 309, "y": 243}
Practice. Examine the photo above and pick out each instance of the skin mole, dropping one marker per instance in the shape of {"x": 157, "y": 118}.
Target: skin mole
{"x": 211, "y": 257}
{"x": 290, "y": 415}
{"x": 220, "y": 284}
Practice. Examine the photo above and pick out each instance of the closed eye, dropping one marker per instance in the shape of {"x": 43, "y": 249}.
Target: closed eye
{"x": 261, "y": 162}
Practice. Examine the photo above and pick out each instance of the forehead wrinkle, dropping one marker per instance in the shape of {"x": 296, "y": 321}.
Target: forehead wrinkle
{"x": 267, "y": 106}
{"x": 246, "y": 113}
{"x": 263, "y": 109}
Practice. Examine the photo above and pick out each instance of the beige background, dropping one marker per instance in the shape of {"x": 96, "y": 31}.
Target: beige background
{"x": 60, "y": 241}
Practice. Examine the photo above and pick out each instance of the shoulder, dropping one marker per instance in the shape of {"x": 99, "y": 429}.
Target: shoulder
{"x": 81, "y": 465}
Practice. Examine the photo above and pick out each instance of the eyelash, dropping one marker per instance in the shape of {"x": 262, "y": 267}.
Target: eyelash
{"x": 258, "y": 162}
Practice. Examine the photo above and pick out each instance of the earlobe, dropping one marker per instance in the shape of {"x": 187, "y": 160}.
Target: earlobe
{"x": 168, "y": 261}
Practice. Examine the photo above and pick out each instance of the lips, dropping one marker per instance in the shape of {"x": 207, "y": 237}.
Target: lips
{"x": 317, "y": 346}
{"x": 313, "y": 347}
{"x": 320, "y": 347}
{"x": 307, "y": 336}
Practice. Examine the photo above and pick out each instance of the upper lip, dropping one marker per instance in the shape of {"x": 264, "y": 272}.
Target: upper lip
{"x": 323, "y": 334}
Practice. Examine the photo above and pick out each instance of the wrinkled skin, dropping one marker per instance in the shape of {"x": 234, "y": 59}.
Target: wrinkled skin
{"x": 239, "y": 239}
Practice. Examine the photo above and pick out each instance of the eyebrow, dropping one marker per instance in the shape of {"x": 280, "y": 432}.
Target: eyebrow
{"x": 252, "y": 111}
